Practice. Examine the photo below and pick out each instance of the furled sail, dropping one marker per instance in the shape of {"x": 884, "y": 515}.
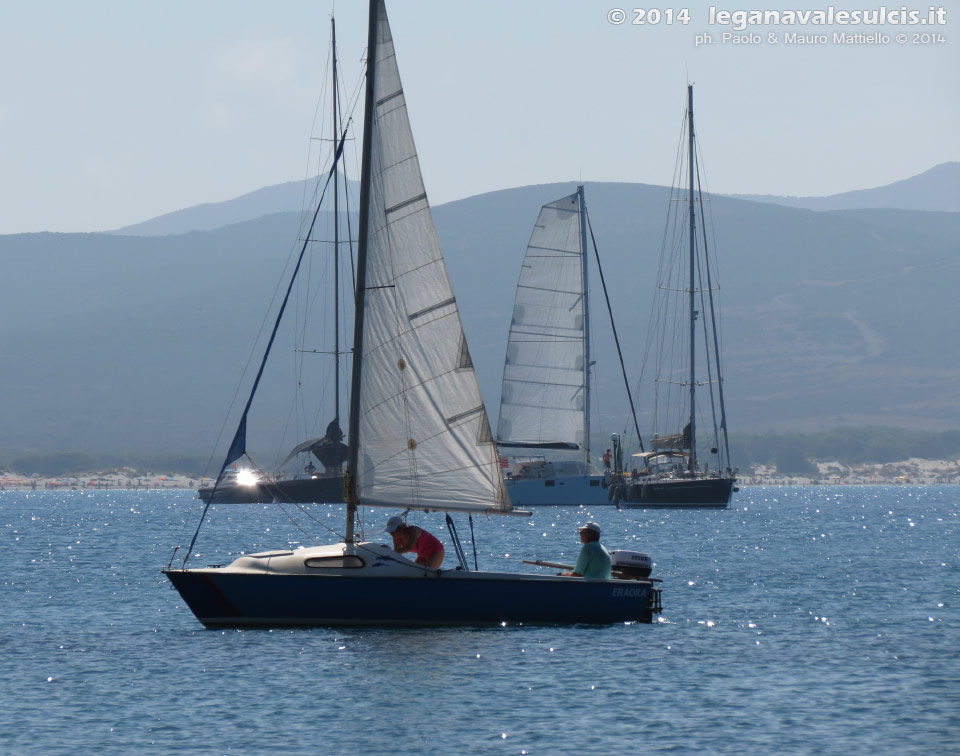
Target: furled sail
{"x": 424, "y": 440}
{"x": 544, "y": 381}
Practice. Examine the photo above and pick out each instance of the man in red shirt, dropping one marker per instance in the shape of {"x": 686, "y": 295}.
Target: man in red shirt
{"x": 408, "y": 538}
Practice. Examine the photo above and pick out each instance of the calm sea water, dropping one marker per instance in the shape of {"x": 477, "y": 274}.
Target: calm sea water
{"x": 800, "y": 621}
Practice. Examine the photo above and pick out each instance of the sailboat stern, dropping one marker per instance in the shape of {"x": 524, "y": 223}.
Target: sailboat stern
{"x": 312, "y": 586}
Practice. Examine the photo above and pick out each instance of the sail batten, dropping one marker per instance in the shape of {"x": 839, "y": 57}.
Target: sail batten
{"x": 423, "y": 438}
{"x": 403, "y": 204}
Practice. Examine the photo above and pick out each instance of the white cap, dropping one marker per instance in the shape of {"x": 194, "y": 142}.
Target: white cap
{"x": 591, "y": 526}
{"x": 393, "y": 523}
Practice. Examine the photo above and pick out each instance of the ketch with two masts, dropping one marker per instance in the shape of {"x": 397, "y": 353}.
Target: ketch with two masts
{"x": 672, "y": 473}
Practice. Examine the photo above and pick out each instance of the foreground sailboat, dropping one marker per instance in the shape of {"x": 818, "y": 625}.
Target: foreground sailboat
{"x": 672, "y": 473}
{"x": 419, "y": 435}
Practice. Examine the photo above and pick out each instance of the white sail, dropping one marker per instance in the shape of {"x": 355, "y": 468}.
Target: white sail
{"x": 542, "y": 401}
{"x": 424, "y": 440}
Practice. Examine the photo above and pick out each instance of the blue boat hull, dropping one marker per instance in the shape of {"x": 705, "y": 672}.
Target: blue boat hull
{"x": 223, "y": 599}
{"x": 558, "y": 491}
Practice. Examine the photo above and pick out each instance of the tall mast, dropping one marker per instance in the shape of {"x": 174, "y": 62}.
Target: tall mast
{"x": 336, "y": 238}
{"x": 716, "y": 340}
{"x": 586, "y": 326}
{"x": 693, "y": 312}
{"x": 362, "y": 238}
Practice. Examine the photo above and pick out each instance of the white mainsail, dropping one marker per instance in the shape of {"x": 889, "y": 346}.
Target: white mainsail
{"x": 542, "y": 401}
{"x": 423, "y": 440}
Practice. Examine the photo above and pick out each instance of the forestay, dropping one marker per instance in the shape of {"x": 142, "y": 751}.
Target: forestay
{"x": 544, "y": 380}
{"x": 424, "y": 440}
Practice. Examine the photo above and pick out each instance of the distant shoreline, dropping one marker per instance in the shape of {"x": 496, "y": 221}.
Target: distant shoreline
{"x": 185, "y": 483}
{"x": 114, "y": 482}
{"x": 921, "y": 472}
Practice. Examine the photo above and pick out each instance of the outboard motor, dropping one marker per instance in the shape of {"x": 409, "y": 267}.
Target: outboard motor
{"x": 631, "y": 565}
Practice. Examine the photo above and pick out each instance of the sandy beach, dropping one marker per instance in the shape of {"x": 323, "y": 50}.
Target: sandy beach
{"x": 112, "y": 480}
{"x": 924, "y": 472}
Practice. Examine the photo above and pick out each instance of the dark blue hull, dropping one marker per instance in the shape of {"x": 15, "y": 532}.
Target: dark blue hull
{"x": 222, "y": 599}
{"x": 322, "y": 490}
{"x": 680, "y": 492}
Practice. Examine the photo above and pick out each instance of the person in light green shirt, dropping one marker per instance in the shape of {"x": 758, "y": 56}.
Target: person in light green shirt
{"x": 594, "y": 559}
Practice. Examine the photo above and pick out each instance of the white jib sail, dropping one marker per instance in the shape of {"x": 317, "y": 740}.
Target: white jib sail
{"x": 543, "y": 393}
{"x": 424, "y": 437}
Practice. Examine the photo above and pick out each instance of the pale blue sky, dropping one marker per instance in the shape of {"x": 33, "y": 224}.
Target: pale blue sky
{"x": 115, "y": 112}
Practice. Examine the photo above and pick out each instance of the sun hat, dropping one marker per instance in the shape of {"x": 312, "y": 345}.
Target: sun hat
{"x": 589, "y": 526}
{"x": 393, "y": 523}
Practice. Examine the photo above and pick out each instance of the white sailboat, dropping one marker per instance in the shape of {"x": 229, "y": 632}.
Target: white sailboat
{"x": 545, "y": 397}
{"x": 419, "y": 435}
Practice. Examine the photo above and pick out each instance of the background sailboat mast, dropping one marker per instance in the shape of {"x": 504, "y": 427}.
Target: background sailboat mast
{"x": 693, "y": 312}
{"x": 586, "y": 326}
{"x": 366, "y": 168}
{"x": 336, "y": 237}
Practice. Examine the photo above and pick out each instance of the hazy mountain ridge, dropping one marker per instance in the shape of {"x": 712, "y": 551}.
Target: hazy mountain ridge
{"x": 937, "y": 189}
{"x": 138, "y": 342}
{"x": 290, "y": 196}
